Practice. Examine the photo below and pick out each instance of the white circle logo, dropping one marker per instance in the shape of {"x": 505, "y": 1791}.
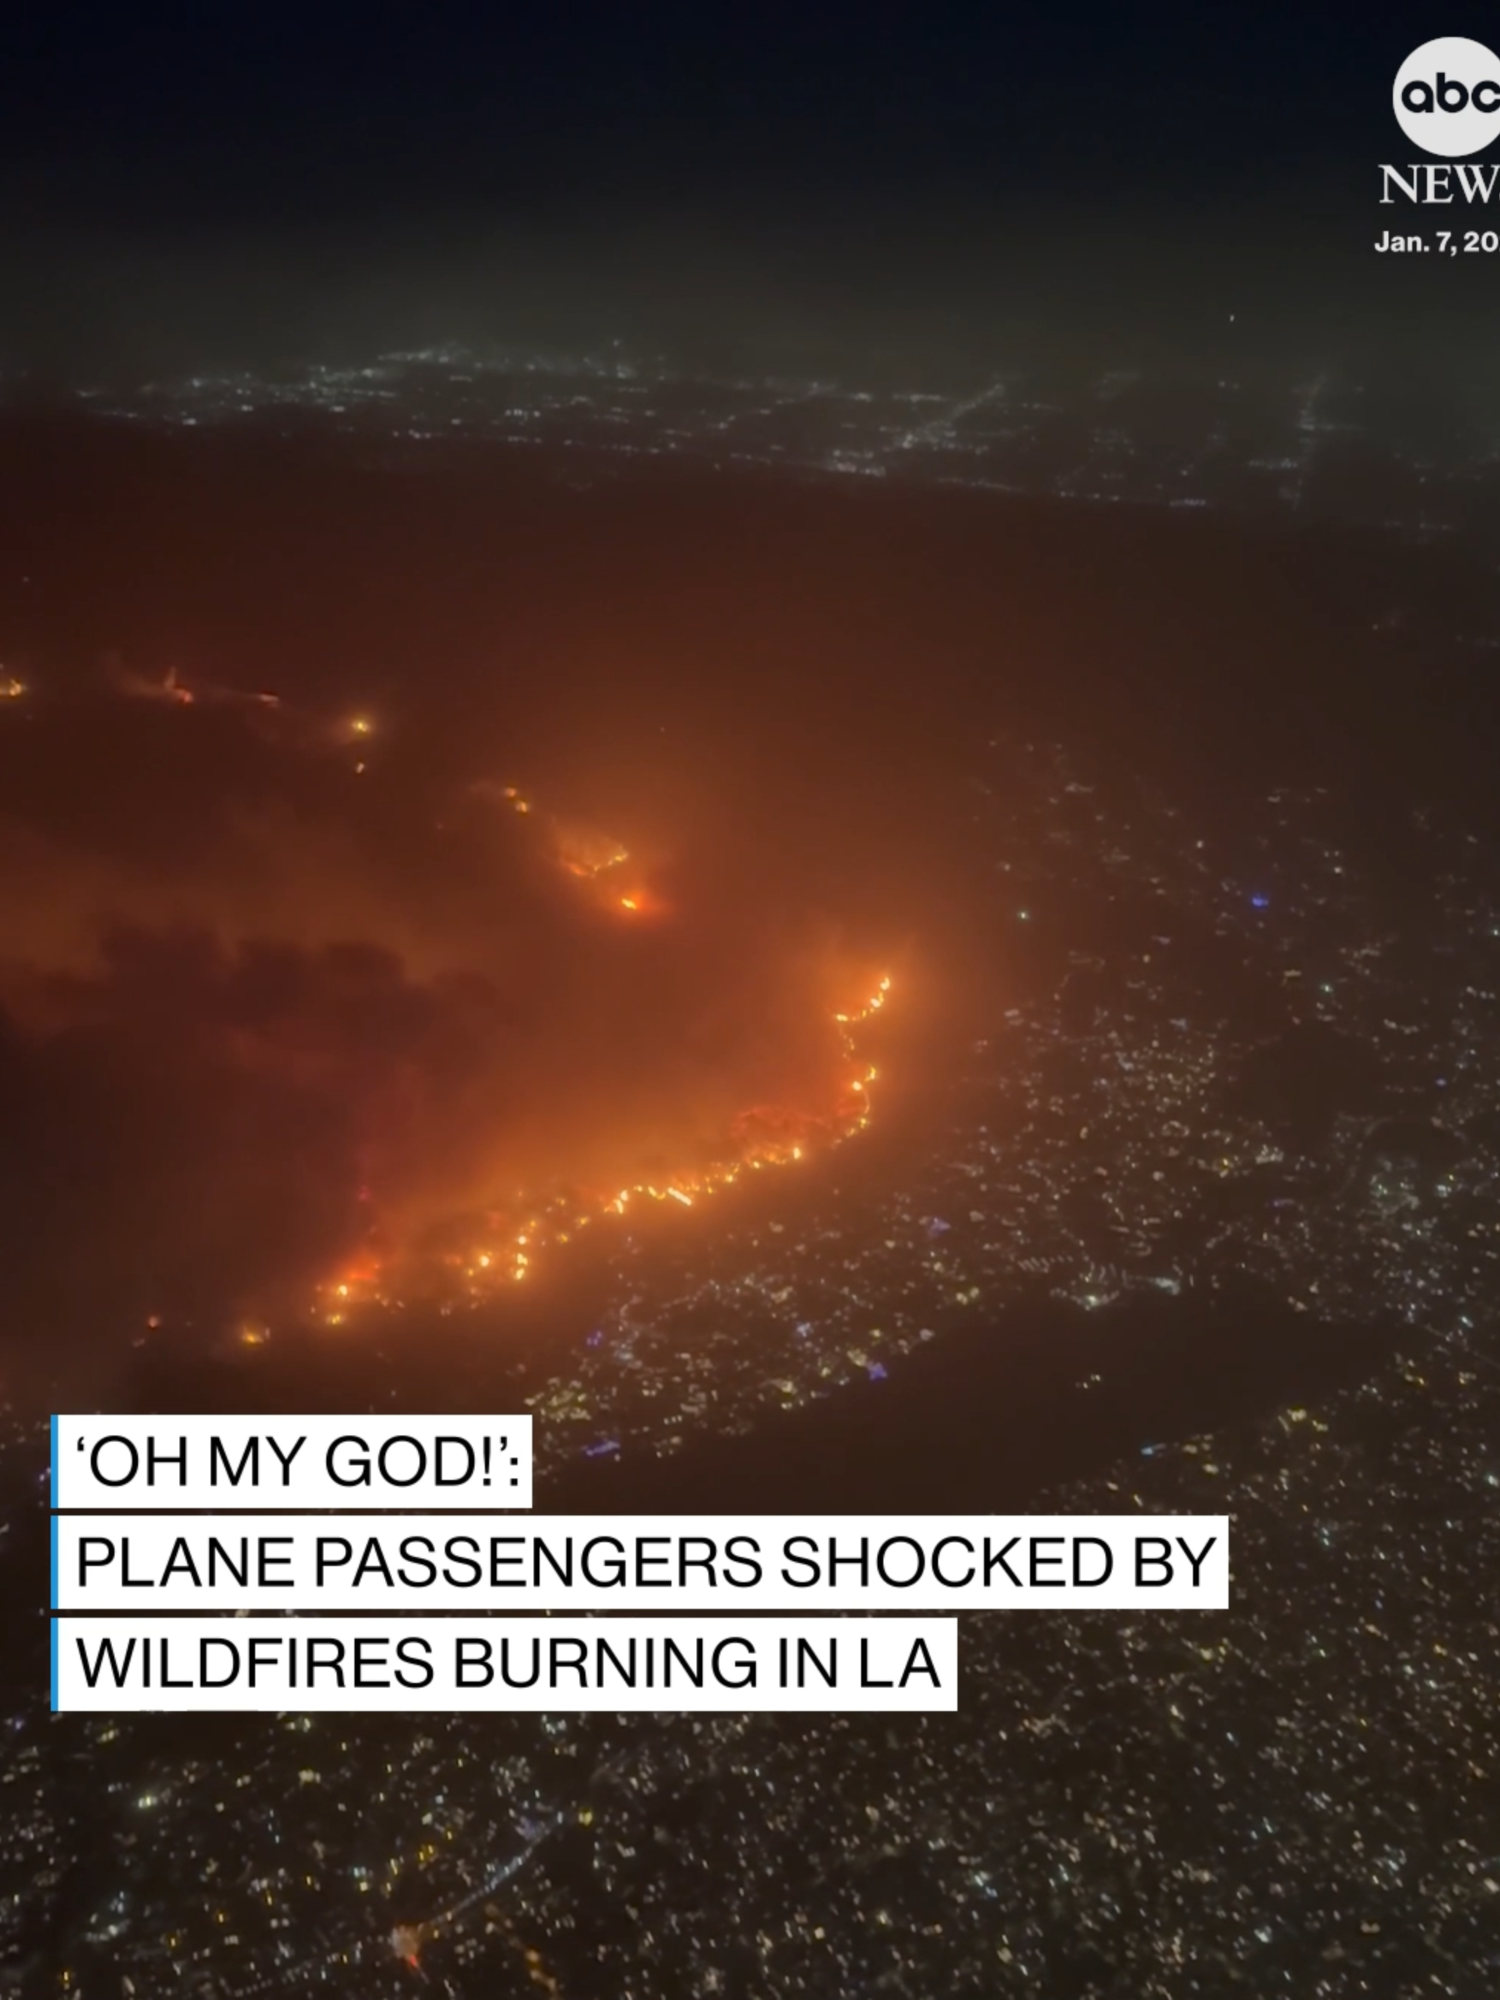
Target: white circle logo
{"x": 1447, "y": 96}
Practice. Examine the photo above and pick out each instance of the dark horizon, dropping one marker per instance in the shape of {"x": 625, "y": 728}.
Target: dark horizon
{"x": 946, "y": 191}
{"x": 349, "y": 115}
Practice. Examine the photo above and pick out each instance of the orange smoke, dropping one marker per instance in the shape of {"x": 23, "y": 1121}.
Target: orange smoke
{"x": 275, "y": 1026}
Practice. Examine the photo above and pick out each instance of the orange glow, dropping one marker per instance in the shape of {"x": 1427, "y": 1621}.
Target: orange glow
{"x": 590, "y": 856}
{"x": 702, "y": 1046}
{"x": 766, "y": 1137}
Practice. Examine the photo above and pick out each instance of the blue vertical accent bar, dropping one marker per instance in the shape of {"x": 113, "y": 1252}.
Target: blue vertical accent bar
{"x": 52, "y": 1469}
{"x": 54, "y": 1666}
{"x": 54, "y": 1562}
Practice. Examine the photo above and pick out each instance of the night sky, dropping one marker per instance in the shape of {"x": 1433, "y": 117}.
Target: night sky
{"x": 266, "y": 115}
{"x": 182, "y": 182}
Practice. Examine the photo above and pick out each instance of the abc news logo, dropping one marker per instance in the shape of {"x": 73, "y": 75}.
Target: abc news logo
{"x": 1447, "y": 94}
{"x": 1447, "y": 101}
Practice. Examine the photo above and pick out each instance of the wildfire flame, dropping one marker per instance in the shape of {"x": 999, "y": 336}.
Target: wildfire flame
{"x": 501, "y": 1246}
{"x": 766, "y": 1137}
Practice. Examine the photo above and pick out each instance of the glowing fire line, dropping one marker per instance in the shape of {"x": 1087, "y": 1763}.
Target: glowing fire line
{"x": 587, "y": 858}
{"x": 362, "y": 1283}
{"x": 555, "y": 1222}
